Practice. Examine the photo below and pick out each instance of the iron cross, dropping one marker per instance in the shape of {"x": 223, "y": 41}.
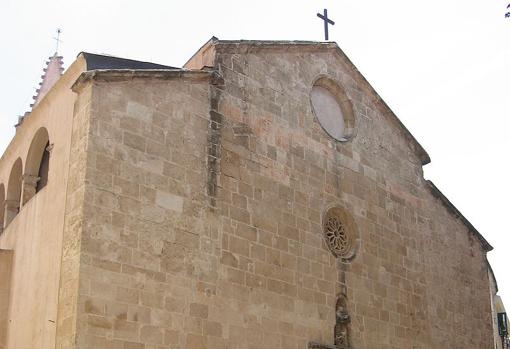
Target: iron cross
{"x": 326, "y": 22}
{"x": 57, "y": 39}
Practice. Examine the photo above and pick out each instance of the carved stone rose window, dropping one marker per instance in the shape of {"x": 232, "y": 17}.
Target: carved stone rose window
{"x": 339, "y": 233}
{"x": 338, "y": 240}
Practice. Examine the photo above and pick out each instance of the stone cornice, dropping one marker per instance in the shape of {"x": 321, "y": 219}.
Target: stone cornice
{"x": 115, "y": 75}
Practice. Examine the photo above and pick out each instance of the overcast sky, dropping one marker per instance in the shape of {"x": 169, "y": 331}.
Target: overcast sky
{"x": 442, "y": 66}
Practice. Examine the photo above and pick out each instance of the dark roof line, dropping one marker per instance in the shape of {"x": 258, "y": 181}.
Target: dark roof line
{"x": 104, "y": 62}
{"x": 451, "y": 207}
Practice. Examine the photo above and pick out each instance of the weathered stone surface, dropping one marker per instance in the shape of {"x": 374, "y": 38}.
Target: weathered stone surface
{"x": 193, "y": 215}
{"x": 169, "y": 201}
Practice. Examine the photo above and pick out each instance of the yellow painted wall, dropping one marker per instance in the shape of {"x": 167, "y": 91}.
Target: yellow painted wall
{"x": 35, "y": 234}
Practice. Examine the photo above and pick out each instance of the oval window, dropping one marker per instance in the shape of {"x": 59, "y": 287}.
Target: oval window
{"x": 333, "y": 109}
{"x": 329, "y": 112}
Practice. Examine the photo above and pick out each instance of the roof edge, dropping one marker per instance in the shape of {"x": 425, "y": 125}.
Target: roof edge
{"x": 96, "y": 61}
{"x": 438, "y": 194}
{"x": 207, "y": 45}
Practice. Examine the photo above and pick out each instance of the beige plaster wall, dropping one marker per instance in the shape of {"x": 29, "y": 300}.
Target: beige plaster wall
{"x": 35, "y": 234}
{"x": 5, "y": 288}
{"x": 202, "y": 219}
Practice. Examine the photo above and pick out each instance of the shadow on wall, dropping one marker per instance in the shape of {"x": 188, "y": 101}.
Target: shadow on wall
{"x": 12, "y": 200}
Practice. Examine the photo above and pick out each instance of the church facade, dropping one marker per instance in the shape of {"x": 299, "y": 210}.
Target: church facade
{"x": 263, "y": 196}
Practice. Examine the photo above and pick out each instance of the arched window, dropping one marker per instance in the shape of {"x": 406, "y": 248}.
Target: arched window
{"x": 2, "y": 207}
{"x": 37, "y": 165}
{"x": 12, "y": 200}
{"x": 44, "y": 168}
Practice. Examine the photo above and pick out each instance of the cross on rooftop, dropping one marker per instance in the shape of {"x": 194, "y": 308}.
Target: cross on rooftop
{"x": 327, "y": 21}
{"x": 57, "y": 39}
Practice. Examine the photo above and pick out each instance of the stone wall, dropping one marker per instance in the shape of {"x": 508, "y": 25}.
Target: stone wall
{"x": 5, "y": 289}
{"x": 419, "y": 278}
{"x": 148, "y": 245}
{"x": 74, "y": 214}
{"x": 202, "y": 218}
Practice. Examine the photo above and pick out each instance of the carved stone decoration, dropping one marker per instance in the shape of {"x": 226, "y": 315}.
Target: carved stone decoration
{"x": 338, "y": 240}
{"x": 342, "y": 321}
{"x": 341, "y": 327}
{"x": 339, "y": 233}
{"x": 341, "y": 237}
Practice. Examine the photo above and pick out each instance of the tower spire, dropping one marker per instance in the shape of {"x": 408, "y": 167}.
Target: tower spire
{"x": 52, "y": 72}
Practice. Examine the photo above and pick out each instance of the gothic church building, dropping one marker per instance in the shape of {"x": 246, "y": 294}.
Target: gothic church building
{"x": 261, "y": 197}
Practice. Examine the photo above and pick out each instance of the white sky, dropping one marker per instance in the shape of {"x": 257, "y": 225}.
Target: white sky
{"x": 442, "y": 66}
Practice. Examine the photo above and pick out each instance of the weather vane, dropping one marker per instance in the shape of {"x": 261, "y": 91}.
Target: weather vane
{"x": 57, "y": 39}
{"x": 507, "y": 15}
{"x": 327, "y": 21}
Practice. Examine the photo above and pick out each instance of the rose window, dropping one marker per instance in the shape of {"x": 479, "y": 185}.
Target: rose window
{"x": 337, "y": 234}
